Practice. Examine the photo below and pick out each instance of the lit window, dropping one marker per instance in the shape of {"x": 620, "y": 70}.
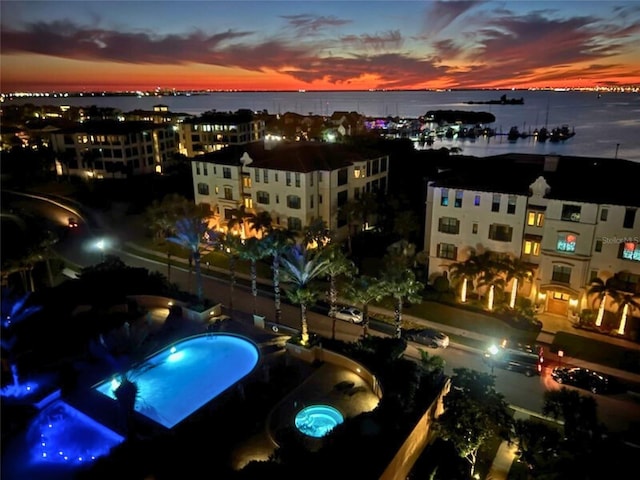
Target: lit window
{"x": 476, "y": 200}
{"x": 458, "y": 201}
{"x": 535, "y": 219}
{"x": 531, "y": 247}
{"x": 571, "y": 213}
{"x": 631, "y": 251}
{"x": 246, "y": 182}
{"x": 566, "y": 242}
{"x": 444, "y": 197}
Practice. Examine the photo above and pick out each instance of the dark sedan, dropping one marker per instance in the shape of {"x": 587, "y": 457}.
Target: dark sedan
{"x": 581, "y": 378}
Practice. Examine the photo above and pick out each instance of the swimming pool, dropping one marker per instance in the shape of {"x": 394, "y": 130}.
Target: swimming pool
{"x": 318, "y": 420}
{"x": 178, "y": 380}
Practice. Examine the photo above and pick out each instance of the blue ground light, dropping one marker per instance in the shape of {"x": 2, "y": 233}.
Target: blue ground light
{"x": 318, "y": 420}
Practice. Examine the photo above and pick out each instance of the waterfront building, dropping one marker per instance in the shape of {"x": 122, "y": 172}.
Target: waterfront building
{"x": 112, "y": 149}
{"x": 213, "y": 131}
{"x": 296, "y": 183}
{"x": 571, "y": 219}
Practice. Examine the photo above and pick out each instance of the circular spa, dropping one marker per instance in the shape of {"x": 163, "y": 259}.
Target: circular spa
{"x": 317, "y": 420}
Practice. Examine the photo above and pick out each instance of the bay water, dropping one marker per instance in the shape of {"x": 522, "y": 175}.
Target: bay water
{"x": 607, "y": 124}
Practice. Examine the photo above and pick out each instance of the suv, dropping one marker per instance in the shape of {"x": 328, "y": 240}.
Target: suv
{"x": 428, "y": 337}
{"x": 519, "y": 360}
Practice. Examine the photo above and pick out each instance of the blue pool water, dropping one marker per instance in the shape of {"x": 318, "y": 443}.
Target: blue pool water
{"x": 177, "y": 381}
{"x": 317, "y": 420}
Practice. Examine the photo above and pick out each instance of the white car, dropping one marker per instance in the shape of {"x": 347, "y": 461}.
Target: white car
{"x": 349, "y": 314}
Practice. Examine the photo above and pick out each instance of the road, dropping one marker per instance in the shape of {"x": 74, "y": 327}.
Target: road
{"x": 615, "y": 411}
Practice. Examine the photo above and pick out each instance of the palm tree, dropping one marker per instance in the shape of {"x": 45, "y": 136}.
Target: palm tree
{"x": 193, "y": 233}
{"x": 260, "y": 222}
{"x": 518, "y": 271}
{"x": 236, "y": 221}
{"x": 363, "y": 290}
{"x": 625, "y": 301}
{"x": 599, "y": 289}
{"x": 316, "y": 234}
{"x": 491, "y": 275}
{"x": 399, "y": 282}
{"x": 301, "y": 268}
{"x": 231, "y": 245}
{"x": 276, "y": 242}
{"x": 252, "y": 250}
{"x": 339, "y": 265}
{"x": 468, "y": 271}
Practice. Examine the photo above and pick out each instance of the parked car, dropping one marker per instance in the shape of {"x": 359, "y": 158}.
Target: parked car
{"x": 581, "y": 378}
{"x": 427, "y": 336}
{"x": 72, "y": 222}
{"x": 349, "y": 314}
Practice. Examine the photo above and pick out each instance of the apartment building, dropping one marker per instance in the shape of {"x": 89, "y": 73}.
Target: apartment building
{"x": 112, "y": 149}
{"x": 213, "y": 131}
{"x": 571, "y": 219}
{"x": 296, "y": 183}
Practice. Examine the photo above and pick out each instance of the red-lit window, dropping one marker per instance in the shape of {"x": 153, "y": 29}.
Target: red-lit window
{"x": 566, "y": 242}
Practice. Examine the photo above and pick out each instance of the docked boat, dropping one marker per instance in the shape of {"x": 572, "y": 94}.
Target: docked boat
{"x": 560, "y": 134}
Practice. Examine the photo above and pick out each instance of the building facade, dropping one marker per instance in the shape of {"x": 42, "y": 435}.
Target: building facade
{"x": 295, "y": 183}
{"x": 567, "y": 234}
{"x": 213, "y": 131}
{"x": 113, "y": 149}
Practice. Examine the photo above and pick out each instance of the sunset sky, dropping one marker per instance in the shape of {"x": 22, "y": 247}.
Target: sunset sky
{"x": 332, "y": 45}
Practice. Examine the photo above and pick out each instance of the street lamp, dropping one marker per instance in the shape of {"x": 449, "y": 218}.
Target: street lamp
{"x": 100, "y": 244}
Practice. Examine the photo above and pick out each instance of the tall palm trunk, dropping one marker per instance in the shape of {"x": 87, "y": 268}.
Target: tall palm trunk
{"x": 196, "y": 261}
{"x": 398, "y": 317}
{"x": 304, "y": 330}
{"x": 254, "y": 285}
{"x": 276, "y": 286}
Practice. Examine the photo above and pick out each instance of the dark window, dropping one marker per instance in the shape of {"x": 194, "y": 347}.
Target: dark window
{"x": 203, "y": 189}
{"x": 343, "y": 198}
{"x": 375, "y": 167}
{"x": 294, "y": 224}
{"x": 500, "y": 233}
{"x": 343, "y": 176}
{"x": 449, "y": 225}
{"x": 262, "y": 197}
{"x": 447, "y": 250}
{"x": 383, "y": 164}
{"x": 598, "y": 247}
{"x": 629, "y": 218}
{"x": 226, "y": 172}
{"x": 288, "y": 178}
{"x": 293, "y": 201}
{"x": 571, "y": 213}
{"x": 228, "y": 193}
{"x": 561, "y": 274}
{"x": 495, "y": 203}
{"x": 474, "y": 228}
{"x": 604, "y": 213}
{"x": 511, "y": 205}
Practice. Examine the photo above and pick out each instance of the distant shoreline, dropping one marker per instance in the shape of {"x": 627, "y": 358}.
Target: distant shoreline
{"x": 178, "y": 93}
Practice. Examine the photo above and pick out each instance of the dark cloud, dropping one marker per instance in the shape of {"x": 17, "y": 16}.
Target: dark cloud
{"x": 380, "y": 41}
{"x": 308, "y": 24}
